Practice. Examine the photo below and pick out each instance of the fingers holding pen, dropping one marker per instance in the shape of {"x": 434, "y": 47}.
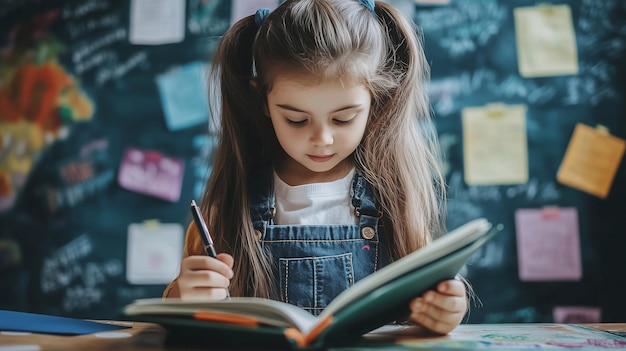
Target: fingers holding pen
{"x": 222, "y": 264}
{"x": 228, "y": 261}
{"x": 204, "y": 277}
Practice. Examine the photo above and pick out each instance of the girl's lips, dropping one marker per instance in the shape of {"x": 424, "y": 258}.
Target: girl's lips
{"x": 320, "y": 158}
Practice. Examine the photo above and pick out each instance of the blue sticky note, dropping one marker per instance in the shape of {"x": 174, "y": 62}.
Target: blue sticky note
{"x": 47, "y": 324}
{"x": 184, "y": 96}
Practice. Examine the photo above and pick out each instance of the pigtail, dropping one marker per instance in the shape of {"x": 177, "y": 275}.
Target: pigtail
{"x": 397, "y": 157}
{"x": 225, "y": 202}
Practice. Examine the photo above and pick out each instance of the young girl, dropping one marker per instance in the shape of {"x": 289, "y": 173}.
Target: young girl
{"x": 323, "y": 173}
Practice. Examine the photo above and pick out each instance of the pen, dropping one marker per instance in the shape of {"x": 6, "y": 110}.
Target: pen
{"x": 209, "y": 249}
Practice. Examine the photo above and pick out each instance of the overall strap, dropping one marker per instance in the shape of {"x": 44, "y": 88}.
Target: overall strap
{"x": 365, "y": 206}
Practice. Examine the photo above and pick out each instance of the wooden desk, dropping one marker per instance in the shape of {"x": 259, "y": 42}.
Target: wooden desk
{"x": 151, "y": 337}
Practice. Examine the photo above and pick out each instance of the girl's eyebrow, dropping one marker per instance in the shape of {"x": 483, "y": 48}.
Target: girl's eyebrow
{"x": 294, "y": 109}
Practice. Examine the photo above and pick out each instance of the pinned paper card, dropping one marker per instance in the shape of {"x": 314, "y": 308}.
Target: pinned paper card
{"x": 591, "y": 160}
{"x": 243, "y": 8}
{"x": 151, "y": 173}
{"x": 184, "y": 96}
{"x": 576, "y": 314}
{"x": 155, "y": 22}
{"x": 154, "y": 252}
{"x": 495, "y": 148}
{"x": 548, "y": 245}
{"x": 546, "y": 42}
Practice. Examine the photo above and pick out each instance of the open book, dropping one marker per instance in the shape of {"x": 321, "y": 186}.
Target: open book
{"x": 376, "y": 300}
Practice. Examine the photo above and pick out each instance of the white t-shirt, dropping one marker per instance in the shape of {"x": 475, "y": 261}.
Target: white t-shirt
{"x": 314, "y": 204}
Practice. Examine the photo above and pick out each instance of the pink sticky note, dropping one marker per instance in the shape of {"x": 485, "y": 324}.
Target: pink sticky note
{"x": 151, "y": 173}
{"x": 548, "y": 245}
{"x": 576, "y": 314}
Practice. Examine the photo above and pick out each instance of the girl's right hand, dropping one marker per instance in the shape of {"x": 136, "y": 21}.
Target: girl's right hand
{"x": 204, "y": 278}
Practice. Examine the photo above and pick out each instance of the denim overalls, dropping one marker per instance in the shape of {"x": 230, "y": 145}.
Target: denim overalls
{"x": 314, "y": 263}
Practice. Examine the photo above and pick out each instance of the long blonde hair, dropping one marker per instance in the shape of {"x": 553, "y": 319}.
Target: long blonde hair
{"x": 398, "y": 154}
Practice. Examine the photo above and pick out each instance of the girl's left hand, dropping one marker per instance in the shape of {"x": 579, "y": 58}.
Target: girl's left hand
{"x": 440, "y": 310}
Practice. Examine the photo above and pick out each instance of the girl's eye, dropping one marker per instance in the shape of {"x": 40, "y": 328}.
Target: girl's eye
{"x": 343, "y": 122}
{"x": 299, "y": 123}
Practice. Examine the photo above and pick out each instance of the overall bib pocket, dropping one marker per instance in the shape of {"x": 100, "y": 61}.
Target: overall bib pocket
{"x": 327, "y": 275}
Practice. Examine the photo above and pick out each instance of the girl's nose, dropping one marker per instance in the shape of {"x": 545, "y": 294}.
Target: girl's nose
{"x": 322, "y": 135}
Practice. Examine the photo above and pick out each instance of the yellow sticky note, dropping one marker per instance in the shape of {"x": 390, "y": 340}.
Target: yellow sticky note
{"x": 546, "y": 42}
{"x": 495, "y": 147}
{"x": 591, "y": 160}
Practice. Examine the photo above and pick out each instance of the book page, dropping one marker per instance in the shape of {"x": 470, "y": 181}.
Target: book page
{"x": 591, "y": 160}
{"x": 546, "y": 43}
{"x": 265, "y": 311}
{"x": 495, "y": 149}
{"x": 548, "y": 245}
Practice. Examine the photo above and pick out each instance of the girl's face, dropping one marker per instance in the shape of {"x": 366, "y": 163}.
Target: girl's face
{"x": 319, "y": 124}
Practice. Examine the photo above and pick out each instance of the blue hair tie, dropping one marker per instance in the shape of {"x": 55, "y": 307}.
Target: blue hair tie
{"x": 260, "y": 15}
{"x": 368, "y": 4}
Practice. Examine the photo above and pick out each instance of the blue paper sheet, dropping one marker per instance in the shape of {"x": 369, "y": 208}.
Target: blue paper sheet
{"x": 47, "y": 324}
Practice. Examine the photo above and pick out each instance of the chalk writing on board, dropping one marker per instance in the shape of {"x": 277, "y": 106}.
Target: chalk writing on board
{"x": 120, "y": 69}
{"x": 598, "y": 31}
{"x": 464, "y": 28}
{"x": 94, "y": 61}
{"x": 77, "y": 28}
{"x": 447, "y": 93}
{"x": 83, "y": 8}
{"x": 90, "y": 46}
{"x": 81, "y": 281}
{"x": 601, "y": 40}
{"x": 204, "y": 18}
{"x": 96, "y": 29}
{"x": 592, "y": 85}
{"x": 69, "y": 196}
{"x": 530, "y": 191}
{"x": 59, "y": 270}
{"x": 79, "y": 177}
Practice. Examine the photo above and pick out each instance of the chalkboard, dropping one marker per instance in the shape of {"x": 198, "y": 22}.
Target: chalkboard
{"x": 64, "y": 216}
{"x": 64, "y": 238}
{"x": 471, "y": 48}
